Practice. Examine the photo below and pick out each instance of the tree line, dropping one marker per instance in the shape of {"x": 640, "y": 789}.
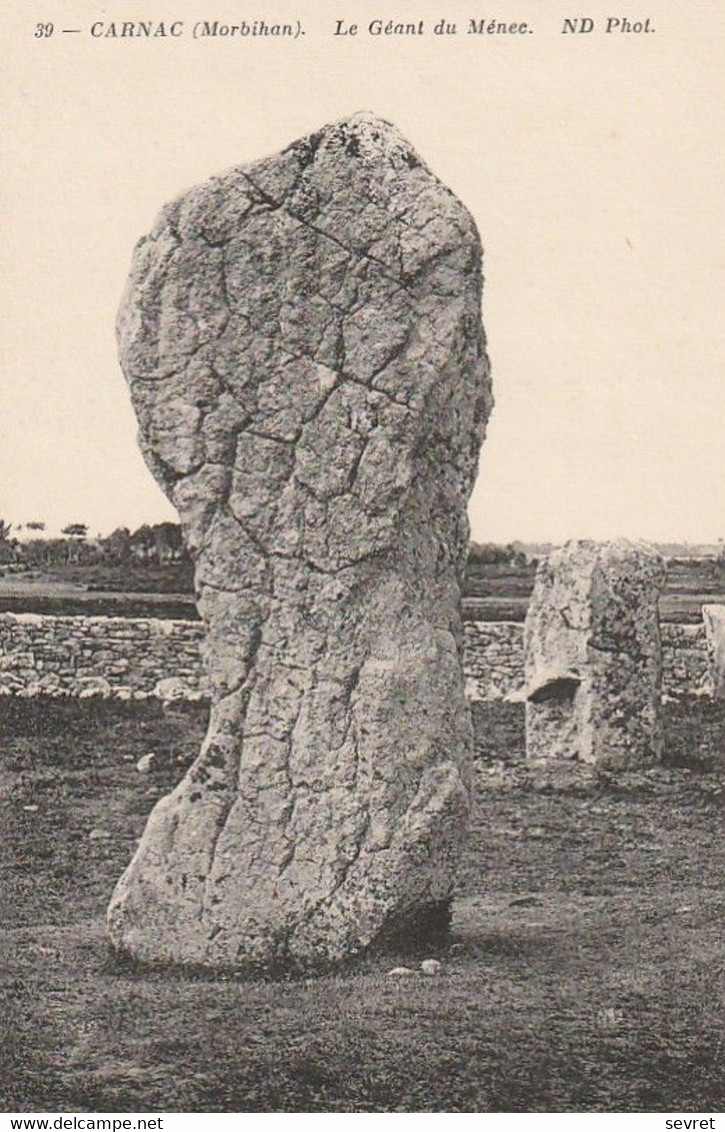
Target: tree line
{"x": 156, "y": 544}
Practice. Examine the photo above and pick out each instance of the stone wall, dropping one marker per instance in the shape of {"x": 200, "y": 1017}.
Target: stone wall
{"x": 494, "y": 660}
{"x": 685, "y": 659}
{"x": 129, "y": 657}
{"x": 82, "y": 656}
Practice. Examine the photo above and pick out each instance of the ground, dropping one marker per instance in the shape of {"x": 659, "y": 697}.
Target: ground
{"x": 585, "y": 970}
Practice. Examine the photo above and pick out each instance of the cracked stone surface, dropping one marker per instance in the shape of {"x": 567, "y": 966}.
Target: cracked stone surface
{"x": 714, "y": 619}
{"x": 593, "y": 655}
{"x": 302, "y": 339}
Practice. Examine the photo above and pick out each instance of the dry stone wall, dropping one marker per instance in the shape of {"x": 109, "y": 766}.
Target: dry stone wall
{"x": 493, "y": 660}
{"x": 128, "y": 658}
{"x": 684, "y": 660}
{"x": 123, "y": 657}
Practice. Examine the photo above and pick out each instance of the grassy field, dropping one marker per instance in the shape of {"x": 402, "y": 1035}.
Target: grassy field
{"x": 500, "y": 592}
{"x": 585, "y": 972}
{"x": 145, "y": 577}
{"x": 492, "y": 592}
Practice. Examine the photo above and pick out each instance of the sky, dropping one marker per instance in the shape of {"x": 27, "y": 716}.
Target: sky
{"x": 593, "y": 166}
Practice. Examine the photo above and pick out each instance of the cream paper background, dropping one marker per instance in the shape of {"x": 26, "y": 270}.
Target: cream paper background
{"x": 593, "y": 165}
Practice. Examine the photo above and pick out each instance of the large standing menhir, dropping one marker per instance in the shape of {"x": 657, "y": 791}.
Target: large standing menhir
{"x": 303, "y": 343}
